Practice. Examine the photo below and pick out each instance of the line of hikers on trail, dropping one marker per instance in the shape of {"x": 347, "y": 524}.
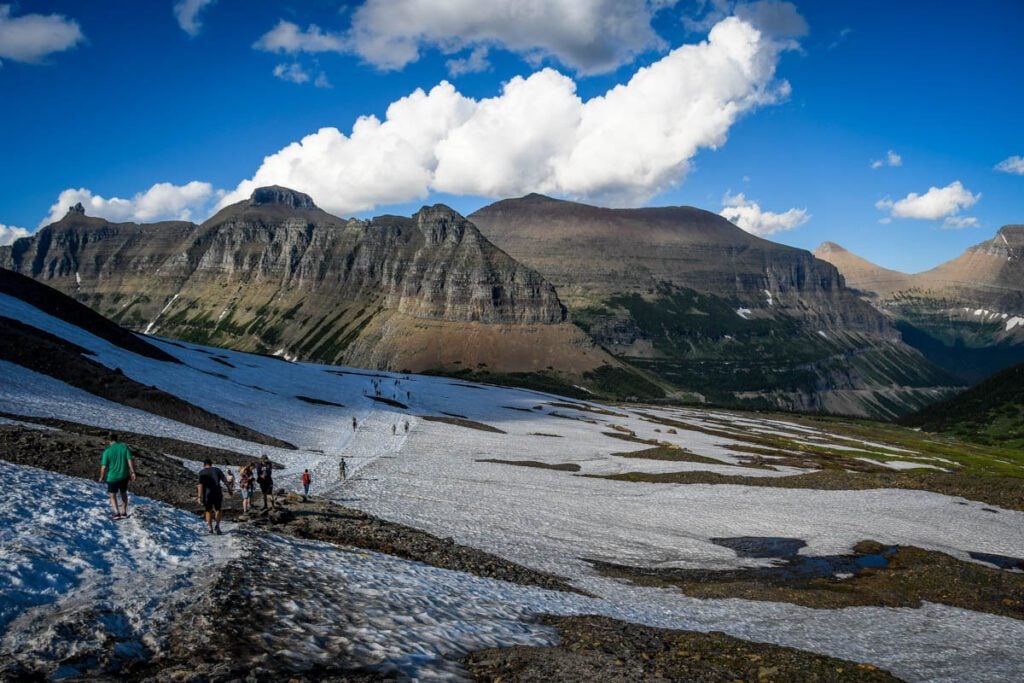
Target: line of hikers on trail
{"x": 117, "y": 469}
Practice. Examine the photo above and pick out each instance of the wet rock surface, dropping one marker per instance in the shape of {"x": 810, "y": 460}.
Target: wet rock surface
{"x": 600, "y": 649}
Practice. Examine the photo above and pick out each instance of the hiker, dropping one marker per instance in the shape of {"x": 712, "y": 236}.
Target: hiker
{"x": 117, "y": 469}
{"x": 265, "y": 478}
{"x": 230, "y": 477}
{"x": 342, "y": 470}
{"x": 394, "y": 430}
{"x": 406, "y": 426}
{"x": 210, "y": 495}
{"x": 305, "y": 483}
{"x": 354, "y": 423}
{"x": 246, "y": 484}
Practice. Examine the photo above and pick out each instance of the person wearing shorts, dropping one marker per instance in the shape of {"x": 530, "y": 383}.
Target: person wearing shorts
{"x": 210, "y": 494}
{"x": 117, "y": 469}
{"x": 265, "y": 478}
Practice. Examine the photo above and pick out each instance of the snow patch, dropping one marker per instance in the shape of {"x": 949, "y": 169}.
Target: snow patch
{"x": 768, "y": 294}
{"x": 743, "y": 313}
{"x": 1015, "y": 321}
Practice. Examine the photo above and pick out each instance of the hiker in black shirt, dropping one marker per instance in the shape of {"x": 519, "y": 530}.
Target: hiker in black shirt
{"x": 210, "y": 495}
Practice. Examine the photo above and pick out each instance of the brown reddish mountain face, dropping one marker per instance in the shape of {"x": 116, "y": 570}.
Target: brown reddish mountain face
{"x": 966, "y": 315}
{"x": 686, "y": 295}
{"x": 275, "y": 274}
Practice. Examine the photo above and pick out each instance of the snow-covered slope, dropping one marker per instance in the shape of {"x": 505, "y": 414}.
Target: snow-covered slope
{"x": 431, "y": 477}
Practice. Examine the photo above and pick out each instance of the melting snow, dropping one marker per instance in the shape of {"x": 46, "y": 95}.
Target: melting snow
{"x": 552, "y": 520}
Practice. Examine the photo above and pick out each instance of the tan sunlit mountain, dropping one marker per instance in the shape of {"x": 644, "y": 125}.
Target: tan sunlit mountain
{"x": 966, "y": 314}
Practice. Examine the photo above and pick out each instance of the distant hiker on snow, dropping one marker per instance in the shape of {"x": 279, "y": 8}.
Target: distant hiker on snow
{"x": 246, "y": 484}
{"x": 342, "y": 470}
{"x": 265, "y": 478}
{"x": 117, "y": 469}
{"x": 210, "y": 495}
{"x": 354, "y": 423}
{"x": 305, "y": 483}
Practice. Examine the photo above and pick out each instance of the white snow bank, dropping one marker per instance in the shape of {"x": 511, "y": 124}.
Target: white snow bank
{"x": 64, "y": 561}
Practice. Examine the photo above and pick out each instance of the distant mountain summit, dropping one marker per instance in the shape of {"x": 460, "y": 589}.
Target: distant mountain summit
{"x": 966, "y": 315}
{"x": 275, "y": 274}
{"x": 688, "y": 296}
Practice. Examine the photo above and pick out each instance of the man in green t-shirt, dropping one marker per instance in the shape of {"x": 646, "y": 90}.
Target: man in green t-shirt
{"x": 117, "y": 469}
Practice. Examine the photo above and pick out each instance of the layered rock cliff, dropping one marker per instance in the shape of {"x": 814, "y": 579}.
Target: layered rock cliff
{"x": 687, "y": 295}
{"x": 276, "y": 274}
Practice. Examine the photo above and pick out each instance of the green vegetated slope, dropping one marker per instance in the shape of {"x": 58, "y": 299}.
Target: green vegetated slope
{"x": 992, "y": 412}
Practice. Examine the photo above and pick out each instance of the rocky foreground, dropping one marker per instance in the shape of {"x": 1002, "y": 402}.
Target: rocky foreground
{"x": 276, "y": 611}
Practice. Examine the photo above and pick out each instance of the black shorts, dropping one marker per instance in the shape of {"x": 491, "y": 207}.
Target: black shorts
{"x": 120, "y": 486}
{"x": 267, "y": 486}
{"x": 213, "y": 504}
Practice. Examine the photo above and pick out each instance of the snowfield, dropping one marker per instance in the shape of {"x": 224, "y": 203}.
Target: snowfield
{"x": 57, "y": 556}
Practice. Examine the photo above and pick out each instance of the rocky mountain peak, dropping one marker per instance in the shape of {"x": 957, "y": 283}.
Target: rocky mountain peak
{"x": 281, "y": 196}
{"x": 77, "y": 209}
{"x": 439, "y": 223}
{"x": 829, "y": 248}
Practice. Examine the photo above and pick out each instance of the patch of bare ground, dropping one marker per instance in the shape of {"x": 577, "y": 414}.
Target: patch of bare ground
{"x": 562, "y": 466}
{"x": 1005, "y": 492}
{"x": 677, "y": 454}
{"x": 46, "y": 354}
{"x": 463, "y": 422}
{"x": 586, "y": 408}
{"x": 389, "y": 402}
{"x": 319, "y": 401}
{"x": 554, "y": 436}
{"x": 875, "y": 575}
{"x": 593, "y": 648}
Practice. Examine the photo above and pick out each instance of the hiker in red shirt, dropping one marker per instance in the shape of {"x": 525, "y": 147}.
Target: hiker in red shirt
{"x": 305, "y": 483}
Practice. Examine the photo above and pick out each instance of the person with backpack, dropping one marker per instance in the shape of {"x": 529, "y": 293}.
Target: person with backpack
{"x": 305, "y": 483}
{"x": 116, "y": 470}
{"x": 265, "y": 478}
{"x": 210, "y": 495}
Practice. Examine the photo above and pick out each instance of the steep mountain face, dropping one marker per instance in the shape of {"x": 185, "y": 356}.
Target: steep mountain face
{"x": 688, "y": 296}
{"x": 275, "y": 274}
{"x": 966, "y": 315}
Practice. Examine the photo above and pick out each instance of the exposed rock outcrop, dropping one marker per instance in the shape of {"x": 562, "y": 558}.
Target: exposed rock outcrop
{"x": 276, "y": 274}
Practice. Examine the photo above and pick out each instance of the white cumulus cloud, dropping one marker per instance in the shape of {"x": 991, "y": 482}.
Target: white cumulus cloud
{"x": 289, "y": 38}
{"x": 749, "y": 216}
{"x": 187, "y": 14}
{"x": 9, "y": 233}
{"x": 32, "y": 37}
{"x": 1014, "y": 164}
{"x": 936, "y": 203}
{"x": 588, "y": 36}
{"x": 295, "y": 73}
{"x": 163, "y": 201}
{"x": 891, "y": 158}
{"x": 960, "y": 222}
{"x": 538, "y": 135}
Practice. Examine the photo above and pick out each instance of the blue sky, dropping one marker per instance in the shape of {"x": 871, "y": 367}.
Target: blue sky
{"x": 775, "y": 120}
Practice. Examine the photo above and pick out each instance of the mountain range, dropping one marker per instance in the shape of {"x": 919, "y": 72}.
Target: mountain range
{"x": 648, "y": 303}
{"x": 966, "y": 315}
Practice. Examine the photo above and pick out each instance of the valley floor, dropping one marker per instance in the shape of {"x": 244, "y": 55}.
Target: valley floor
{"x": 559, "y": 487}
